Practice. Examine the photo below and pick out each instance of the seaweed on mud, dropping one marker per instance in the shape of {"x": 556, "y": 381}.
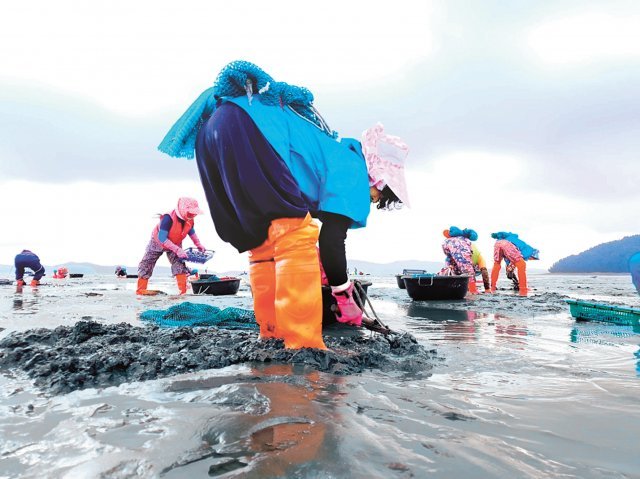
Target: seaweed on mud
{"x": 91, "y": 354}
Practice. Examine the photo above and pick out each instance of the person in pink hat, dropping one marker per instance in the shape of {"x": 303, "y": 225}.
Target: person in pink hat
{"x": 167, "y": 237}
{"x": 384, "y": 156}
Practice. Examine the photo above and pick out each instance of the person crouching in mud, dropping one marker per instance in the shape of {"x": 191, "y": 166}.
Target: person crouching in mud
{"x": 514, "y": 251}
{"x": 268, "y": 162}
{"x": 28, "y": 260}
{"x": 167, "y": 237}
{"x": 458, "y": 250}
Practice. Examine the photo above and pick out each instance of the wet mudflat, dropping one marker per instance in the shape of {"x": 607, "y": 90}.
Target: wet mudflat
{"x": 517, "y": 389}
{"x": 91, "y": 354}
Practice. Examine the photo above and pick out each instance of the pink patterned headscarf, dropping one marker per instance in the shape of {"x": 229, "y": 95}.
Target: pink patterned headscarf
{"x": 385, "y": 155}
{"x": 188, "y": 205}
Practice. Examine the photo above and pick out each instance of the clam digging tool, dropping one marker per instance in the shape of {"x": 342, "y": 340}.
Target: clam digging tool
{"x": 372, "y": 323}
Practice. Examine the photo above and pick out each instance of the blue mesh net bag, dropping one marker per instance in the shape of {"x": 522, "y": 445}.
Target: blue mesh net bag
{"x": 194, "y": 255}
{"x": 196, "y": 314}
{"x": 236, "y": 79}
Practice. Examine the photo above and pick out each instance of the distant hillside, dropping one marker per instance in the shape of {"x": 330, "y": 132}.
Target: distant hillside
{"x": 383, "y": 269}
{"x": 7, "y": 271}
{"x": 612, "y": 257}
{"x": 87, "y": 268}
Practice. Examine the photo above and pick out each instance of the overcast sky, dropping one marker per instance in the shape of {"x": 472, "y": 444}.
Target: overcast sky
{"x": 520, "y": 116}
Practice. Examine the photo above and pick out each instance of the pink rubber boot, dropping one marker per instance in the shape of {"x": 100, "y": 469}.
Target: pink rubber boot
{"x": 348, "y": 311}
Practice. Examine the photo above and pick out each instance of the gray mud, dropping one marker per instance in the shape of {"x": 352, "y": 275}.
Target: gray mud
{"x": 91, "y": 354}
{"x": 510, "y": 305}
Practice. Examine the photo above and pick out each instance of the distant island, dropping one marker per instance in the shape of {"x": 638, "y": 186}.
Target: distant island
{"x": 612, "y": 257}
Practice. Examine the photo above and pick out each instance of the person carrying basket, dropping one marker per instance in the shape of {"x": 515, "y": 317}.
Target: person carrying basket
{"x": 167, "y": 237}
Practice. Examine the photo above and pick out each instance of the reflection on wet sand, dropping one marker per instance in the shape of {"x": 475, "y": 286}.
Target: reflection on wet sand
{"x": 605, "y": 334}
{"x": 282, "y": 427}
{"x": 28, "y": 305}
{"x": 422, "y": 310}
{"x": 467, "y": 326}
{"x": 292, "y": 432}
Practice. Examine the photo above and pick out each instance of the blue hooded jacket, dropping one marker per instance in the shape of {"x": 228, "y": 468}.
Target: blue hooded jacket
{"x": 331, "y": 174}
{"x": 528, "y": 252}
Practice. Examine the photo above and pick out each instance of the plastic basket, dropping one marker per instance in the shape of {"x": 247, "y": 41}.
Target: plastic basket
{"x": 196, "y": 256}
{"x": 604, "y": 312}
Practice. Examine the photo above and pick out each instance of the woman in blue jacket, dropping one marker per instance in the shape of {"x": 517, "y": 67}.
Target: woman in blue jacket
{"x": 265, "y": 155}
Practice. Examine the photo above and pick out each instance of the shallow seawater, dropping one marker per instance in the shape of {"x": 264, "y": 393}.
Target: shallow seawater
{"x": 518, "y": 389}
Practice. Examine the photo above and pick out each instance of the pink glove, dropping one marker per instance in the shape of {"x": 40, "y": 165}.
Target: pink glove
{"x": 196, "y": 241}
{"x": 174, "y": 248}
{"x": 348, "y": 311}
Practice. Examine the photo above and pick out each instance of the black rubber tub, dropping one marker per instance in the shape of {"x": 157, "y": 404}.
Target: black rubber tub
{"x": 399, "y": 279}
{"x": 132, "y": 276}
{"x": 218, "y": 287}
{"x": 328, "y": 316}
{"x": 76, "y": 275}
{"x": 428, "y": 287}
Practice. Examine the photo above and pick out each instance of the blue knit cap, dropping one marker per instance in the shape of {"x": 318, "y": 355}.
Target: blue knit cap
{"x": 236, "y": 79}
{"x": 503, "y": 235}
{"x": 467, "y": 233}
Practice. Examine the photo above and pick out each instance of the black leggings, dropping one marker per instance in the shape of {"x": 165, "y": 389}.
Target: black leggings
{"x": 332, "y": 249}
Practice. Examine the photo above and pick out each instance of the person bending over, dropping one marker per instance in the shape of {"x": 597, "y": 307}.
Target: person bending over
{"x": 512, "y": 249}
{"x": 268, "y": 162}
{"x": 28, "y": 260}
{"x": 167, "y": 237}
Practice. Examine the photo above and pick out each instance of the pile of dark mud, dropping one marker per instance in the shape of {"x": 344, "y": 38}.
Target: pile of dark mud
{"x": 91, "y": 354}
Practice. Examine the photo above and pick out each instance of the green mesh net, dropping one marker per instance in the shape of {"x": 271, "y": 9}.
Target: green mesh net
{"x": 196, "y": 314}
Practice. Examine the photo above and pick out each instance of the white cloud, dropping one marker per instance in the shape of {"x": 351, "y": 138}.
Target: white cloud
{"x": 496, "y": 143}
{"x": 586, "y": 37}
{"x": 467, "y": 170}
{"x": 142, "y": 57}
{"x": 99, "y": 223}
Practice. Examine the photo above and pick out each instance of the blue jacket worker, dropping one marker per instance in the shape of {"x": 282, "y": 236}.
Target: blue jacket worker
{"x": 28, "y": 259}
